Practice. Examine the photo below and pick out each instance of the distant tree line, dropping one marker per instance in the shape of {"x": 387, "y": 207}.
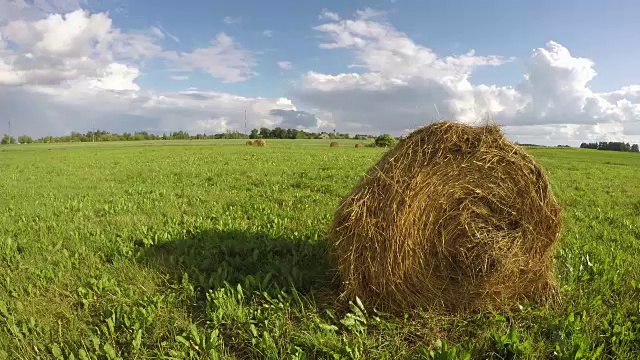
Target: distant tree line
{"x": 528, "y": 145}
{"x": 101, "y": 136}
{"x": 613, "y": 146}
{"x": 107, "y": 136}
{"x": 282, "y": 133}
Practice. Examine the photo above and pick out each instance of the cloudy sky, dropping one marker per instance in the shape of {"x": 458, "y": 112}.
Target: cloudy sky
{"x": 550, "y": 72}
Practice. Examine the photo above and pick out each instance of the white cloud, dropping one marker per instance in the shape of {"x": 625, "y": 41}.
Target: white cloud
{"x": 267, "y": 33}
{"x": 117, "y": 77}
{"x": 570, "y": 134}
{"x": 328, "y": 15}
{"x": 296, "y": 119}
{"x": 156, "y": 31}
{"x": 208, "y": 126}
{"x": 134, "y": 45}
{"x": 285, "y": 65}
{"x": 403, "y": 82}
{"x": 79, "y": 108}
{"x": 159, "y": 32}
{"x": 63, "y": 73}
{"x": 71, "y": 35}
{"x": 66, "y": 72}
{"x": 58, "y": 5}
{"x": 382, "y": 49}
{"x": 224, "y": 59}
{"x": 36, "y": 9}
{"x": 76, "y": 47}
{"x": 232, "y": 19}
{"x": 369, "y": 13}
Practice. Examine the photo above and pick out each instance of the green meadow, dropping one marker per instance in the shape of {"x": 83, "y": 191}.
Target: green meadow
{"x": 213, "y": 249}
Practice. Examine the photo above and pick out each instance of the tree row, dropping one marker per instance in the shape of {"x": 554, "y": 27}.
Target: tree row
{"x": 613, "y": 146}
{"x": 100, "y": 135}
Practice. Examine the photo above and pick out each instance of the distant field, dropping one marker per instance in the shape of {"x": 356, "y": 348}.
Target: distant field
{"x": 214, "y": 249}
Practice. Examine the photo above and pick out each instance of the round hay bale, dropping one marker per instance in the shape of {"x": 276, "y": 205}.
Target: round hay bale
{"x": 359, "y": 146}
{"x": 334, "y": 144}
{"x": 455, "y": 217}
{"x": 250, "y": 143}
{"x": 260, "y": 142}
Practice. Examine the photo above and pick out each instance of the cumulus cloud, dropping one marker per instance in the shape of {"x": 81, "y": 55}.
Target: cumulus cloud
{"x": 381, "y": 49}
{"x": 157, "y": 32}
{"x": 118, "y": 77}
{"x": 267, "y": 33}
{"x": 71, "y": 72}
{"x": 556, "y": 91}
{"x": 404, "y": 82}
{"x": 81, "y": 107}
{"x": 36, "y": 9}
{"x": 71, "y": 35}
{"x": 224, "y": 59}
{"x": 295, "y": 119}
{"x": 134, "y": 46}
{"x": 328, "y": 15}
{"x": 369, "y": 13}
{"x": 566, "y": 133}
{"x": 76, "y": 47}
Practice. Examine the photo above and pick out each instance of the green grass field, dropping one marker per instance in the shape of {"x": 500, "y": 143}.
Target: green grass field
{"x": 214, "y": 249}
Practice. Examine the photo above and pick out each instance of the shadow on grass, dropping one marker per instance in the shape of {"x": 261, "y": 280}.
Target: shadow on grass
{"x": 256, "y": 261}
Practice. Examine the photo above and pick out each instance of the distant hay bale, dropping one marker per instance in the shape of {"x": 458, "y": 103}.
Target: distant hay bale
{"x": 260, "y": 142}
{"x": 250, "y": 143}
{"x": 359, "y": 145}
{"x": 334, "y": 144}
{"x": 455, "y": 217}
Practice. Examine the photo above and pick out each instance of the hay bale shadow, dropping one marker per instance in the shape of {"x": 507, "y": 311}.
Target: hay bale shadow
{"x": 257, "y": 261}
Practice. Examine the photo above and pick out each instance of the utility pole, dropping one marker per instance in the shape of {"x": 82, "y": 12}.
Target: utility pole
{"x": 9, "y": 127}
{"x": 245, "y": 121}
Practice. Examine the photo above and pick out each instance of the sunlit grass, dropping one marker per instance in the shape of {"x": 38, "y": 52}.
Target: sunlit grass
{"x": 205, "y": 249}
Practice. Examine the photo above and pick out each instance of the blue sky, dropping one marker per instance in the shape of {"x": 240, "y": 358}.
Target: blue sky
{"x": 598, "y": 30}
{"x": 549, "y": 71}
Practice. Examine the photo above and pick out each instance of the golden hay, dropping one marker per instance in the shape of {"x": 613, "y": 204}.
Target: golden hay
{"x": 455, "y": 217}
{"x": 359, "y": 145}
{"x": 250, "y": 143}
{"x": 334, "y": 144}
{"x": 260, "y": 142}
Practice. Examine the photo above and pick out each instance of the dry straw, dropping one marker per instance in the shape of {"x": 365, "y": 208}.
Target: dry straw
{"x": 334, "y": 144}
{"x": 455, "y": 217}
{"x": 359, "y": 145}
{"x": 260, "y": 142}
{"x": 250, "y": 143}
